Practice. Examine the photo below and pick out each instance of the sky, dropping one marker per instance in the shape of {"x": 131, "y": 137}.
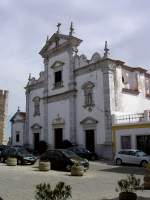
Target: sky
{"x": 25, "y": 24}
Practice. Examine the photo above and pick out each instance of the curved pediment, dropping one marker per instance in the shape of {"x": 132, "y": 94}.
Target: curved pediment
{"x": 58, "y": 120}
{"x": 36, "y": 126}
{"x": 57, "y": 64}
{"x": 95, "y": 57}
{"x": 89, "y": 120}
{"x": 88, "y": 84}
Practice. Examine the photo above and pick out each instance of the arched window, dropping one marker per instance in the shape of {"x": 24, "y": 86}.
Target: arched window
{"x": 36, "y": 101}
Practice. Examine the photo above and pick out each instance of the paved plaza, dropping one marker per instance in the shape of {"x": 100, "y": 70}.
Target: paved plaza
{"x": 99, "y": 182}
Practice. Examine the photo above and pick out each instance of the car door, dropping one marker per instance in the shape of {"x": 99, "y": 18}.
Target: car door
{"x": 133, "y": 158}
{"x": 58, "y": 161}
{"x": 123, "y": 155}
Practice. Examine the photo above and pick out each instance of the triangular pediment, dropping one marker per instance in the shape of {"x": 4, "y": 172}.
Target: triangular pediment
{"x": 89, "y": 120}
{"x": 56, "y": 41}
{"x": 36, "y": 126}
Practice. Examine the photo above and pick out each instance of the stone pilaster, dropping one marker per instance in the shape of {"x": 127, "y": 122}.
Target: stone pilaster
{"x": 109, "y": 104}
{"x": 27, "y": 129}
{"x": 45, "y": 102}
{"x": 72, "y": 98}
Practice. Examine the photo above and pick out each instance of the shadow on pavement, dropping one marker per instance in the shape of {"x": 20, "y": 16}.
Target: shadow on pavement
{"x": 139, "y": 198}
{"x": 126, "y": 170}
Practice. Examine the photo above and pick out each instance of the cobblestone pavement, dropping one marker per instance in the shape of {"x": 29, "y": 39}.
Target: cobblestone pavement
{"x": 99, "y": 182}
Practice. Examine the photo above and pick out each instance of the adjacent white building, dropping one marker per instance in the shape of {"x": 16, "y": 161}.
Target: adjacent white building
{"x": 75, "y": 97}
{"x": 18, "y": 128}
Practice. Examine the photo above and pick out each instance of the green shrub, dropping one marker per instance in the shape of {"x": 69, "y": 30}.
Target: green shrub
{"x": 129, "y": 184}
{"x": 60, "y": 192}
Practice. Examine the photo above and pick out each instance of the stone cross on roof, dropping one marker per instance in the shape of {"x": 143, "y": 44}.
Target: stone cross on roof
{"x": 71, "y": 29}
{"x": 106, "y": 50}
{"x": 58, "y": 28}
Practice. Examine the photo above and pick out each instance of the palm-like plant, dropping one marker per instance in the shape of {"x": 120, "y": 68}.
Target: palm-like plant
{"x": 60, "y": 192}
{"x": 129, "y": 184}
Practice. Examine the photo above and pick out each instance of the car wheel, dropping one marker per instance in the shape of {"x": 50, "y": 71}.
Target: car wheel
{"x": 118, "y": 161}
{"x": 32, "y": 163}
{"x": 143, "y": 163}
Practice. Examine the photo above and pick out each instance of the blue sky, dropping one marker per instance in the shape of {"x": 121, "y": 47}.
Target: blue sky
{"x": 25, "y": 25}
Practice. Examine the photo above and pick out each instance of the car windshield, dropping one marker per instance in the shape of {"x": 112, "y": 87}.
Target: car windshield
{"x": 83, "y": 150}
{"x": 141, "y": 153}
{"x": 23, "y": 151}
{"x": 70, "y": 154}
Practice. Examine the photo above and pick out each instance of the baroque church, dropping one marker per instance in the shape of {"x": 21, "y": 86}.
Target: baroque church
{"x": 75, "y": 98}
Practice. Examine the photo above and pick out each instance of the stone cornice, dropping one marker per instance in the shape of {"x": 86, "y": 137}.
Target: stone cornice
{"x": 130, "y": 91}
{"x": 61, "y": 96}
{"x": 35, "y": 86}
{"x": 88, "y": 68}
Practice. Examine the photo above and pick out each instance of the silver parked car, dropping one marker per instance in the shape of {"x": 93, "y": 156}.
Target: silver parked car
{"x": 132, "y": 156}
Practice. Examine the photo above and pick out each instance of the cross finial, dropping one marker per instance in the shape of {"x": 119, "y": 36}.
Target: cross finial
{"x": 18, "y": 109}
{"x": 29, "y": 77}
{"x": 47, "y": 38}
{"x": 58, "y": 28}
{"x": 71, "y": 29}
{"x": 106, "y": 50}
{"x": 58, "y": 116}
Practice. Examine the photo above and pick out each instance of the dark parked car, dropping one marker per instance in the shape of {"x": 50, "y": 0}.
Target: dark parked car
{"x": 84, "y": 153}
{"x": 22, "y": 155}
{"x": 2, "y": 148}
{"x": 63, "y": 159}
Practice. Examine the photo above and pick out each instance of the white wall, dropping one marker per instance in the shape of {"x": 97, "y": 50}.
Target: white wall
{"x": 63, "y": 57}
{"x": 131, "y": 103}
{"x": 60, "y": 108}
{"x": 17, "y": 127}
{"x": 97, "y": 111}
{"x": 133, "y": 132}
{"x": 36, "y": 119}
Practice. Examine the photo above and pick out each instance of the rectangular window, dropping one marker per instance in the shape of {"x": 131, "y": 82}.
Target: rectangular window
{"x": 143, "y": 143}
{"x": 125, "y": 142}
{"x": 58, "y": 76}
{"x": 17, "y": 137}
{"x": 58, "y": 79}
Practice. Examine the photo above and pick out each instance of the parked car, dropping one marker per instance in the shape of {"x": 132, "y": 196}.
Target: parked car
{"x": 63, "y": 159}
{"x": 22, "y": 155}
{"x": 132, "y": 156}
{"x": 84, "y": 153}
{"x": 2, "y": 148}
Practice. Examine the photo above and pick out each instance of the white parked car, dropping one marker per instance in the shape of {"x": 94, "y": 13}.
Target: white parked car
{"x": 132, "y": 156}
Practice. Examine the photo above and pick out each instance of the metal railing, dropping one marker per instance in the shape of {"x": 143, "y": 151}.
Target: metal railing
{"x": 131, "y": 118}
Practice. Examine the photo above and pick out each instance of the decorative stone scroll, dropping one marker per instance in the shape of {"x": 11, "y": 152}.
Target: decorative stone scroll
{"x": 36, "y": 101}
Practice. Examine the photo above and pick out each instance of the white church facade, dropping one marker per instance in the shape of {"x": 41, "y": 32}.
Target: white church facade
{"x": 74, "y": 98}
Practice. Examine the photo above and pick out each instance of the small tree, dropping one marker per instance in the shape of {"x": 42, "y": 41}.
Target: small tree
{"x": 60, "y": 192}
